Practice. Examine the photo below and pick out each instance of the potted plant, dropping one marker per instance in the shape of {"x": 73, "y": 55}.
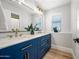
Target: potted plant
{"x": 28, "y": 29}
{"x": 31, "y": 28}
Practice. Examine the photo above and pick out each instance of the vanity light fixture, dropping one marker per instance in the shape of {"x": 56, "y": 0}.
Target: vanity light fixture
{"x": 40, "y": 9}
{"x": 20, "y": 1}
{"x": 13, "y": 0}
{"x": 36, "y": 9}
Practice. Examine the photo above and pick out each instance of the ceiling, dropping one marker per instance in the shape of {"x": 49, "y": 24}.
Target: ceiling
{"x": 49, "y": 4}
{"x": 45, "y": 4}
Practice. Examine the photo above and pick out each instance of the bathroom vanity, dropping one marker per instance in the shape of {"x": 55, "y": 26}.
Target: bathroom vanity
{"x": 25, "y": 47}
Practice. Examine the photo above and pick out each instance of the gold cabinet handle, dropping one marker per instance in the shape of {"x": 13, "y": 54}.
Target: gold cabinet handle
{"x": 28, "y": 56}
{"x": 26, "y": 47}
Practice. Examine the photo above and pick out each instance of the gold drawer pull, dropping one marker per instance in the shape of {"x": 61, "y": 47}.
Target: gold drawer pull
{"x": 28, "y": 56}
{"x": 26, "y": 47}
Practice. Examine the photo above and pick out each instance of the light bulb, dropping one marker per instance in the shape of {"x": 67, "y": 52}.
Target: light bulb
{"x": 13, "y": 0}
{"x": 21, "y": 0}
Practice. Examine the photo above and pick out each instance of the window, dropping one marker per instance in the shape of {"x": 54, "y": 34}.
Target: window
{"x": 38, "y": 20}
{"x": 56, "y": 23}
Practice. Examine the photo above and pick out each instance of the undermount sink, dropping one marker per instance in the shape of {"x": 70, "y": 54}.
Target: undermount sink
{"x": 27, "y": 36}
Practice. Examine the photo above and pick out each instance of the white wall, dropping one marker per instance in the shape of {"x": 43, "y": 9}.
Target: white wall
{"x": 64, "y": 12}
{"x": 2, "y": 19}
{"x": 74, "y": 8}
{"x": 75, "y": 17}
{"x": 25, "y": 16}
{"x": 63, "y": 38}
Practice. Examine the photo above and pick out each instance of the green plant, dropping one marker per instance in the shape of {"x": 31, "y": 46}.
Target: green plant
{"x": 31, "y": 28}
{"x": 28, "y": 28}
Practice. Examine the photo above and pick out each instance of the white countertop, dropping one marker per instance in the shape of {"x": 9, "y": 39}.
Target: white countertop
{"x": 12, "y": 41}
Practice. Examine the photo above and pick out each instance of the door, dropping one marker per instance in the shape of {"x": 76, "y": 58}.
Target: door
{"x": 28, "y": 52}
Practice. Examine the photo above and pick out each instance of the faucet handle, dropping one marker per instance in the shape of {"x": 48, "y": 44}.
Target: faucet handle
{"x": 10, "y": 36}
{"x": 15, "y": 30}
{"x": 20, "y": 35}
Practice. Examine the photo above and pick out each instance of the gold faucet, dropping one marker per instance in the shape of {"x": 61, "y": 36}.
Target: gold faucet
{"x": 16, "y": 32}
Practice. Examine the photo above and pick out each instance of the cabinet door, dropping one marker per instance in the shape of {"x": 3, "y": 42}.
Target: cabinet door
{"x": 28, "y": 52}
{"x": 36, "y": 48}
{"x": 17, "y": 52}
{"x": 7, "y": 53}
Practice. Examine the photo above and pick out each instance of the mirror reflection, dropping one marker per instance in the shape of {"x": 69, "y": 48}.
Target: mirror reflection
{"x": 15, "y": 16}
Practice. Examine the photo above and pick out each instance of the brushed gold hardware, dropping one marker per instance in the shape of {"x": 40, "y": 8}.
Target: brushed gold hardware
{"x": 28, "y": 56}
{"x": 26, "y": 47}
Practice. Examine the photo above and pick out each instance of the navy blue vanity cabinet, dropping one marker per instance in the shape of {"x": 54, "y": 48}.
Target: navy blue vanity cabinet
{"x": 44, "y": 45}
{"x": 33, "y": 49}
{"x": 19, "y": 51}
{"x": 36, "y": 48}
{"x": 49, "y": 41}
{"x": 9, "y": 52}
{"x": 27, "y": 51}
{"x": 6, "y": 54}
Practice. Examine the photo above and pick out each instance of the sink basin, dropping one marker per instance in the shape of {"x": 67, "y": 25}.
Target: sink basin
{"x": 27, "y": 36}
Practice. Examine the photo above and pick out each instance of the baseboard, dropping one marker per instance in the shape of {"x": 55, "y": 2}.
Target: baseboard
{"x": 65, "y": 49}
{"x": 74, "y": 57}
{"x": 62, "y": 48}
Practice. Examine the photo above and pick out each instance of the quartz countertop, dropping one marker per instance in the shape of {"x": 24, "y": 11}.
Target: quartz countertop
{"x": 5, "y": 42}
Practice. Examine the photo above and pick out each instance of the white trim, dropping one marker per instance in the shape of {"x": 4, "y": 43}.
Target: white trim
{"x": 62, "y": 48}
{"x": 74, "y": 57}
{"x": 65, "y": 49}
